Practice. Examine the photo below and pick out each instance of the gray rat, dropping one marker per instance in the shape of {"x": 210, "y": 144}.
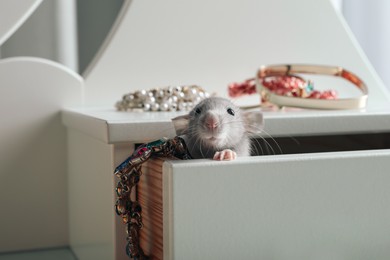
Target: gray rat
{"x": 217, "y": 129}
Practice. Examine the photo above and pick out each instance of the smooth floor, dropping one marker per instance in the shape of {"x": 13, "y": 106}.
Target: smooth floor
{"x": 48, "y": 254}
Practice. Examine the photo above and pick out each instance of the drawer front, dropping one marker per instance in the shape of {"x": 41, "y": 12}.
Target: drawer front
{"x": 306, "y": 206}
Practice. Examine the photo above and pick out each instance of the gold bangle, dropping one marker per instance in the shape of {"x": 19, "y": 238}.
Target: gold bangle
{"x": 289, "y": 70}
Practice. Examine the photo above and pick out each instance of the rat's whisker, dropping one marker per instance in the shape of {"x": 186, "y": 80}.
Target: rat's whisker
{"x": 268, "y": 146}
{"x": 201, "y": 149}
{"x": 273, "y": 139}
{"x": 258, "y": 145}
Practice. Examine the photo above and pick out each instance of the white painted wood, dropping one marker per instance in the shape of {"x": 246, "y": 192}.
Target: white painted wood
{"x": 33, "y": 182}
{"x": 111, "y": 126}
{"x": 213, "y": 43}
{"x": 310, "y": 206}
{"x": 13, "y": 14}
{"x": 91, "y": 197}
{"x": 95, "y": 230}
{"x": 306, "y": 206}
{"x": 66, "y": 21}
{"x": 53, "y": 27}
{"x": 288, "y": 187}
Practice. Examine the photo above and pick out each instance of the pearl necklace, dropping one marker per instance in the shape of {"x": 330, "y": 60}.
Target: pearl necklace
{"x": 171, "y": 98}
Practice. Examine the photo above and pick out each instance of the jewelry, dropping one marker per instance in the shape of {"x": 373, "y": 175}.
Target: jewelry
{"x": 129, "y": 173}
{"x": 279, "y": 85}
{"x": 178, "y": 98}
{"x": 295, "y": 86}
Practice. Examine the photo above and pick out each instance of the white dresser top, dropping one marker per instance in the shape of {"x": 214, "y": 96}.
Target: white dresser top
{"x": 111, "y": 126}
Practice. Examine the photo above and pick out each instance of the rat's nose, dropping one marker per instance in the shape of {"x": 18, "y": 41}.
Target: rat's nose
{"x": 211, "y": 122}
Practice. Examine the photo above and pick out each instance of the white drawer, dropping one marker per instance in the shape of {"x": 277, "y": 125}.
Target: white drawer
{"x": 305, "y": 206}
{"x": 329, "y": 205}
{"x": 318, "y": 205}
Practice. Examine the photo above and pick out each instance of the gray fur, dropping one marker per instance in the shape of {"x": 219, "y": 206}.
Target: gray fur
{"x": 231, "y": 132}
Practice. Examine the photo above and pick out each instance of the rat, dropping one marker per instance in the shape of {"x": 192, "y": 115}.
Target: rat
{"x": 217, "y": 129}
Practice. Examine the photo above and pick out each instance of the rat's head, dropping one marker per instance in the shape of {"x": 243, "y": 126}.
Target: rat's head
{"x": 216, "y": 122}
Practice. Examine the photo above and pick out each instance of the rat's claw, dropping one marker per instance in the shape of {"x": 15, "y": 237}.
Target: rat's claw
{"x": 225, "y": 155}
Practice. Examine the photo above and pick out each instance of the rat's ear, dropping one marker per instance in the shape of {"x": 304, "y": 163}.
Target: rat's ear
{"x": 254, "y": 122}
{"x": 181, "y": 124}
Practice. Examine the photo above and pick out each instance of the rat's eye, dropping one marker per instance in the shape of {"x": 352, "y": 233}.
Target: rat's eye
{"x": 230, "y": 111}
{"x": 198, "y": 111}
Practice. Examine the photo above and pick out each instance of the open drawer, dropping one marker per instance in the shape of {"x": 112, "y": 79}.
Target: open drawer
{"x": 330, "y": 202}
{"x": 298, "y": 206}
{"x": 310, "y": 206}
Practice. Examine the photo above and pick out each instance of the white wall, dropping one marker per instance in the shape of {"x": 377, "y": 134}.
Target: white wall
{"x": 49, "y": 33}
{"x": 59, "y": 32}
{"x": 369, "y": 21}
{"x": 67, "y": 31}
{"x": 95, "y": 18}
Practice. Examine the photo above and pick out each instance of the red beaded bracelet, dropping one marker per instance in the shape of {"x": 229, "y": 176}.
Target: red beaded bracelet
{"x": 281, "y": 86}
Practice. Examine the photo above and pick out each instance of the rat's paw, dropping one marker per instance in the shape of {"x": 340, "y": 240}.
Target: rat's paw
{"x": 225, "y": 155}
